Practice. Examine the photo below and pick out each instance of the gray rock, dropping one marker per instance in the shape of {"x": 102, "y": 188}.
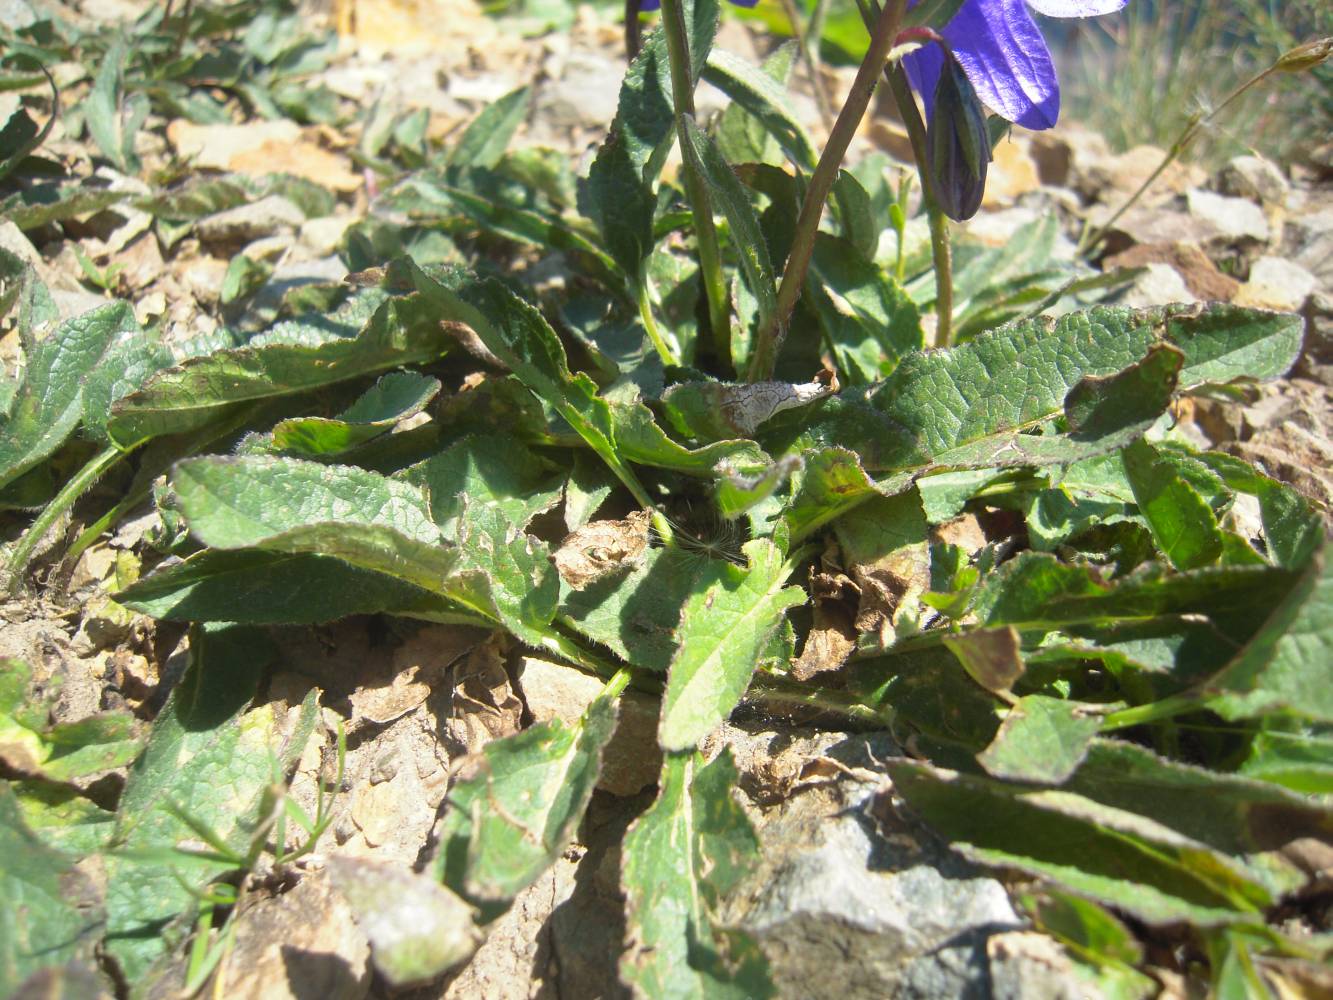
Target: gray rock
{"x": 1234, "y": 219}
{"x": 848, "y": 906}
{"x": 16, "y": 14}
{"x": 1307, "y": 240}
{"x": 1254, "y": 178}
{"x": 246, "y": 223}
{"x": 1159, "y": 285}
{"x": 1276, "y": 284}
{"x": 585, "y": 94}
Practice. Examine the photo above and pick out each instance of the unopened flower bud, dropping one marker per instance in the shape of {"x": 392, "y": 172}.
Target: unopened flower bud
{"x": 1304, "y": 57}
{"x": 957, "y": 144}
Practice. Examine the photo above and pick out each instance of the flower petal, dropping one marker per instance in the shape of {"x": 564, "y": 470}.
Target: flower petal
{"x": 1076, "y": 8}
{"x": 1004, "y": 55}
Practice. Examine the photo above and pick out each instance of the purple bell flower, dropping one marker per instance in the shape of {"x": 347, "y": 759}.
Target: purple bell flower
{"x": 1004, "y": 55}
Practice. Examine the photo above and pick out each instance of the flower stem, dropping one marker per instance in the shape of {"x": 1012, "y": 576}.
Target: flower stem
{"x": 1187, "y": 135}
{"x": 939, "y": 225}
{"x": 705, "y": 235}
{"x": 650, "y": 325}
{"x": 1156, "y": 711}
{"x": 769, "y": 339}
{"x": 64, "y": 500}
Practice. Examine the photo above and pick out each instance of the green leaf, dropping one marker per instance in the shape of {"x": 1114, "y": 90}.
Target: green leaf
{"x": 971, "y": 406}
{"x": 504, "y": 573}
{"x": 1183, "y": 525}
{"x": 243, "y": 278}
{"x": 636, "y": 614}
{"x": 519, "y": 336}
{"x": 392, "y": 399}
{"x": 48, "y": 914}
{"x": 723, "y": 632}
{"x": 114, "y": 119}
{"x": 760, "y": 93}
{"x": 731, "y": 197}
{"x": 19, "y": 284}
{"x": 1042, "y": 739}
{"x": 62, "y": 818}
{"x": 1035, "y": 590}
{"x": 1249, "y": 820}
{"x": 1109, "y": 855}
{"x": 833, "y": 482}
{"x": 485, "y": 469}
{"x": 513, "y": 816}
{"x": 416, "y": 927}
{"x": 1300, "y": 760}
{"x": 259, "y": 587}
{"x": 743, "y": 137}
{"x": 485, "y": 139}
{"x": 31, "y": 744}
{"x": 49, "y": 403}
{"x": 866, "y": 317}
{"x": 289, "y": 358}
{"x": 289, "y": 505}
{"x": 1278, "y": 670}
{"x": 206, "y": 756}
{"x": 680, "y": 860}
{"x": 991, "y": 656}
{"x": 1292, "y": 528}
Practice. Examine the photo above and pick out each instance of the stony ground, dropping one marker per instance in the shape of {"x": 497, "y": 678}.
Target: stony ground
{"x": 853, "y": 900}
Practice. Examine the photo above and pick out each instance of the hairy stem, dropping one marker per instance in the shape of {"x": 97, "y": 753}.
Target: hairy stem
{"x": 705, "y": 235}
{"x": 769, "y": 339}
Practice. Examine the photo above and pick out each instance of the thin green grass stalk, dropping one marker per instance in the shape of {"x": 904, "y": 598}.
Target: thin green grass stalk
{"x": 705, "y": 234}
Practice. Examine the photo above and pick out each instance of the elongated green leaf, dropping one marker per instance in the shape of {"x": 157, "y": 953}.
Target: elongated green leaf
{"x": 866, "y": 317}
{"x": 1292, "y": 529}
{"x": 261, "y": 587}
{"x": 642, "y": 440}
{"x": 207, "y": 756}
{"x": 31, "y": 744}
{"x": 743, "y": 137}
{"x": 393, "y": 398}
{"x": 763, "y": 97}
{"x": 484, "y": 141}
{"x": 636, "y": 614}
{"x": 1037, "y": 591}
{"x": 723, "y": 632}
{"x": 1096, "y": 851}
{"x": 1247, "y": 819}
{"x": 1182, "y": 523}
{"x": 731, "y": 197}
{"x": 969, "y": 407}
{"x": 485, "y": 469}
{"x": 1042, "y": 739}
{"x": 114, "y": 120}
{"x": 233, "y": 503}
{"x": 62, "y": 818}
{"x": 680, "y": 859}
{"x": 517, "y": 333}
{"x": 1301, "y": 760}
{"x": 294, "y": 506}
{"x": 49, "y": 403}
{"x": 49, "y": 913}
{"x": 290, "y": 358}
{"x": 503, "y": 573}
{"x": 512, "y": 817}
{"x": 1280, "y": 668}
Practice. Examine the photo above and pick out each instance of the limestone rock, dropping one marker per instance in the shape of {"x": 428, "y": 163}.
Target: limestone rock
{"x": 1160, "y": 285}
{"x": 1254, "y": 178}
{"x": 1276, "y": 284}
{"x": 1234, "y": 219}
